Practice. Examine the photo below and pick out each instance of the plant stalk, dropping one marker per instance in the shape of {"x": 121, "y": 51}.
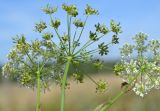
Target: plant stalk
{"x": 106, "y": 107}
{"x": 38, "y": 91}
{"x": 63, "y": 82}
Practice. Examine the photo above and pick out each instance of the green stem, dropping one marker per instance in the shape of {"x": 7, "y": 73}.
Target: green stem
{"x": 69, "y": 32}
{"x": 63, "y": 82}
{"x": 74, "y": 35}
{"x": 91, "y": 79}
{"x": 81, "y": 33}
{"x": 74, "y": 40}
{"x": 38, "y": 91}
{"x": 121, "y": 93}
{"x": 82, "y": 29}
{"x": 83, "y": 47}
{"x": 58, "y": 35}
{"x": 31, "y": 60}
{"x": 88, "y": 43}
{"x": 89, "y": 52}
{"x": 105, "y": 108}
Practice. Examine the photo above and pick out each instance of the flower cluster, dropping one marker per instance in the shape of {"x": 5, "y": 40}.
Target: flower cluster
{"x": 47, "y": 36}
{"x": 103, "y": 49}
{"x": 39, "y": 27}
{"x": 93, "y": 36}
{"x": 102, "y": 86}
{"x": 115, "y": 39}
{"x": 55, "y": 23}
{"x": 98, "y": 64}
{"x": 91, "y": 11}
{"x": 49, "y": 9}
{"x": 154, "y": 46}
{"x": 140, "y": 40}
{"x": 115, "y": 27}
{"x": 65, "y": 38}
{"x": 78, "y": 23}
{"x": 25, "y": 59}
{"x": 78, "y": 77}
{"x": 45, "y": 59}
{"x": 141, "y": 72}
{"x": 70, "y": 9}
{"x": 127, "y": 50}
{"x": 101, "y": 28}
{"x": 35, "y": 64}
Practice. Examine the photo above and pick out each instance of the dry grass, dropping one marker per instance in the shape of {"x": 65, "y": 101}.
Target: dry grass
{"x": 80, "y": 97}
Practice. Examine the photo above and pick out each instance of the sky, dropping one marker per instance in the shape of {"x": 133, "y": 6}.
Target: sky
{"x": 19, "y": 17}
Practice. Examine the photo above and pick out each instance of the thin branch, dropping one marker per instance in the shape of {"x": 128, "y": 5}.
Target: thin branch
{"x": 69, "y": 32}
{"x": 121, "y": 93}
{"x": 74, "y": 37}
{"x": 80, "y": 33}
{"x": 29, "y": 57}
{"x": 91, "y": 79}
{"x": 58, "y": 35}
{"x": 88, "y": 44}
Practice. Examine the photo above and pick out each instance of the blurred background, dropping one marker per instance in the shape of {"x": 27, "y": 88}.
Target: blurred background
{"x": 19, "y": 17}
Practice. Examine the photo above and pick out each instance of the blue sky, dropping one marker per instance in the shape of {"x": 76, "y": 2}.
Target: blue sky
{"x": 19, "y": 17}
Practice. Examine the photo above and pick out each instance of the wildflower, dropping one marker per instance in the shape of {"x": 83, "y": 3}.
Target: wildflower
{"x": 70, "y": 9}
{"x": 65, "y": 38}
{"x": 49, "y": 9}
{"x": 154, "y": 46}
{"x": 78, "y": 23}
{"x": 78, "y": 77}
{"x": 93, "y": 36}
{"x": 24, "y": 62}
{"x": 142, "y": 73}
{"x": 102, "y": 86}
{"x": 101, "y": 28}
{"x": 115, "y": 27}
{"x": 127, "y": 50}
{"x": 36, "y": 45}
{"x": 47, "y": 36}
{"x": 118, "y": 68}
{"x": 39, "y": 27}
{"x": 103, "y": 49}
{"x": 90, "y": 11}
{"x": 34, "y": 64}
{"x": 115, "y": 39}
{"x": 98, "y": 64}
{"x": 55, "y": 23}
{"x": 25, "y": 78}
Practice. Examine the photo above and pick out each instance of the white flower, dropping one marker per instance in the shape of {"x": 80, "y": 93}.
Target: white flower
{"x": 145, "y": 70}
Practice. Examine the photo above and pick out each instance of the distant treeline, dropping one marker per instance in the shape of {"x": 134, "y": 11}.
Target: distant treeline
{"x": 86, "y": 68}
{"x": 90, "y": 69}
